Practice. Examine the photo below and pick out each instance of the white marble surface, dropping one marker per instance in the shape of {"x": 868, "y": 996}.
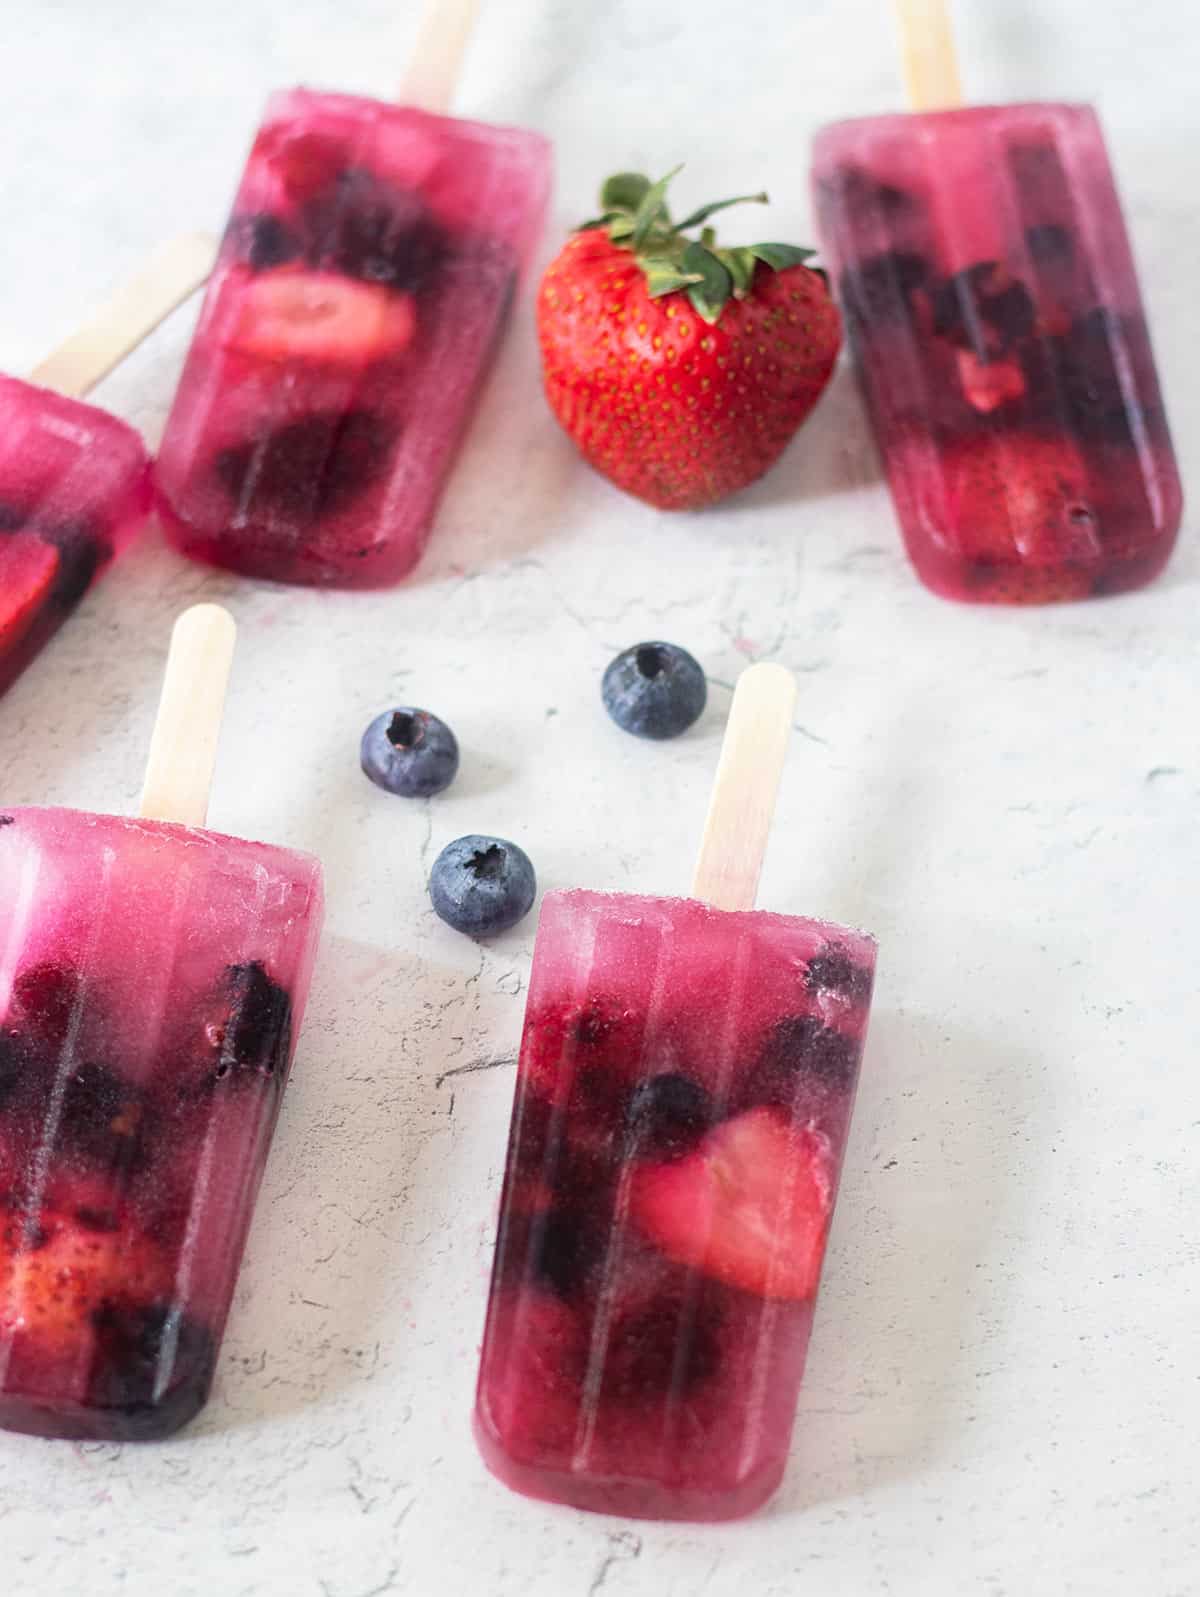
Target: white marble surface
{"x": 1002, "y": 1394}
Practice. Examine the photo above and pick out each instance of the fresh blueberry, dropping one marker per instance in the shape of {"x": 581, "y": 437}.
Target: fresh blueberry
{"x": 262, "y": 241}
{"x": 654, "y": 690}
{"x": 312, "y": 467}
{"x": 12, "y": 517}
{"x": 482, "y": 885}
{"x": 409, "y": 752}
{"x": 668, "y": 1114}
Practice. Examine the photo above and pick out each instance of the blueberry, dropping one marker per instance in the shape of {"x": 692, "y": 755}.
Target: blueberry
{"x": 834, "y": 970}
{"x": 312, "y": 467}
{"x": 48, "y": 998}
{"x": 368, "y": 229}
{"x": 1050, "y": 241}
{"x": 81, "y": 553}
{"x": 7, "y": 820}
{"x": 881, "y": 287}
{"x": 654, "y": 690}
{"x": 801, "y": 1045}
{"x": 102, "y": 1117}
{"x": 409, "y": 752}
{"x": 860, "y": 194}
{"x": 482, "y": 885}
{"x": 984, "y": 309}
{"x": 262, "y": 241}
{"x": 257, "y": 1034}
{"x": 668, "y": 1114}
{"x": 12, "y": 517}
{"x": 152, "y": 1369}
{"x": 561, "y": 1251}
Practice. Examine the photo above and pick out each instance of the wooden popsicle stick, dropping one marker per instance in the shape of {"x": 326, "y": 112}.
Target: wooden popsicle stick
{"x": 174, "y": 271}
{"x": 931, "y": 73}
{"x": 183, "y": 749}
{"x": 435, "y": 65}
{"x": 746, "y": 787}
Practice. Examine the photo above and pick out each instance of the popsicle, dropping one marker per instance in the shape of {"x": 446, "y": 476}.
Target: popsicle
{"x": 993, "y": 306}
{"x": 683, "y": 1096}
{"x": 153, "y": 978}
{"x": 75, "y": 481}
{"x": 363, "y": 285}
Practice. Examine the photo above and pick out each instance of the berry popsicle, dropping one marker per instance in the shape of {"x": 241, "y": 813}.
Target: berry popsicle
{"x": 153, "y": 977}
{"x": 362, "y": 287}
{"x": 993, "y": 306}
{"x": 683, "y": 1097}
{"x": 75, "y": 481}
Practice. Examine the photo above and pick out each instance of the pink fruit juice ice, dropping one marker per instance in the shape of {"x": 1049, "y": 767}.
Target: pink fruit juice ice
{"x": 152, "y": 982}
{"x": 683, "y": 1096}
{"x": 993, "y": 306}
{"x": 74, "y": 491}
{"x": 362, "y": 286}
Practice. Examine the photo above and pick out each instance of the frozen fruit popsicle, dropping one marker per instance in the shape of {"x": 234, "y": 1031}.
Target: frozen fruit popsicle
{"x": 75, "y": 481}
{"x": 993, "y": 306}
{"x": 683, "y": 1096}
{"x": 362, "y": 287}
{"x": 153, "y": 977}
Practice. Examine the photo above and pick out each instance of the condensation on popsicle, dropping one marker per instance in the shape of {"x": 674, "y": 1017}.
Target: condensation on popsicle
{"x": 992, "y": 302}
{"x": 363, "y": 283}
{"x": 153, "y": 977}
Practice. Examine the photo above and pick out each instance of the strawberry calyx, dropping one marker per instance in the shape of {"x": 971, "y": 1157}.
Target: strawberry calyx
{"x": 635, "y": 216}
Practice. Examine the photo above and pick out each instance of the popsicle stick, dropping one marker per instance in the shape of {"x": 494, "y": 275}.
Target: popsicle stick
{"x": 435, "y": 65}
{"x": 747, "y": 785}
{"x": 183, "y": 749}
{"x": 174, "y": 271}
{"x": 930, "y": 61}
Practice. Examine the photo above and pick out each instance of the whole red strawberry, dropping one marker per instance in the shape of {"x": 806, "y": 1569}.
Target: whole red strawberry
{"x": 681, "y": 369}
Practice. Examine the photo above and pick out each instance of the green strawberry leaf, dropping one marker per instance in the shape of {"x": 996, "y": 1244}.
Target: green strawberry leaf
{"x": 605, "y": 219}
{"x": 652, "y": 209}
{"x": 705, "y": 211}
{"x": 780, "y": 256}
{"x": 710, "y": 294}
{"x": 624, "y": 191}
{"x": 741, "y": 264}
{"x": 664, "y": 276}
{"x": 621, "y": 227}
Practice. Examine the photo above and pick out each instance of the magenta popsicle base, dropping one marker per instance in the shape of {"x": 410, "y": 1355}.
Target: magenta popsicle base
{"x": 993, "y": 307}
{"x": 362, "y": 287}
{"x": 152, "y": 982}
{"x": 74, "y": 491}
{"x": 682, "y": 1102}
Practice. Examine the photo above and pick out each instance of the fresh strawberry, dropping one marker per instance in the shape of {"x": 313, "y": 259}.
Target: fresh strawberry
{"x": 28, "y": 568}
{"x": 1019, "y": 499}
{"x": 750, "y": 1207}
{"x": 681, "y": 369}
{"x": 291, "y": 314}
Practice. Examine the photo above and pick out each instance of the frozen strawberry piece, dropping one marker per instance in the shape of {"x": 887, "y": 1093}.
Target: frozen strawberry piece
{"x": 1002, "y": 349}
{"x": 367, "y": 272}
{"x": 682, "y": 1102}
{"x": 28, "y": 568}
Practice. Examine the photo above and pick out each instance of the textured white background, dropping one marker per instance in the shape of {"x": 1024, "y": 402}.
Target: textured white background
{"x": 1002, "y": 1396}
